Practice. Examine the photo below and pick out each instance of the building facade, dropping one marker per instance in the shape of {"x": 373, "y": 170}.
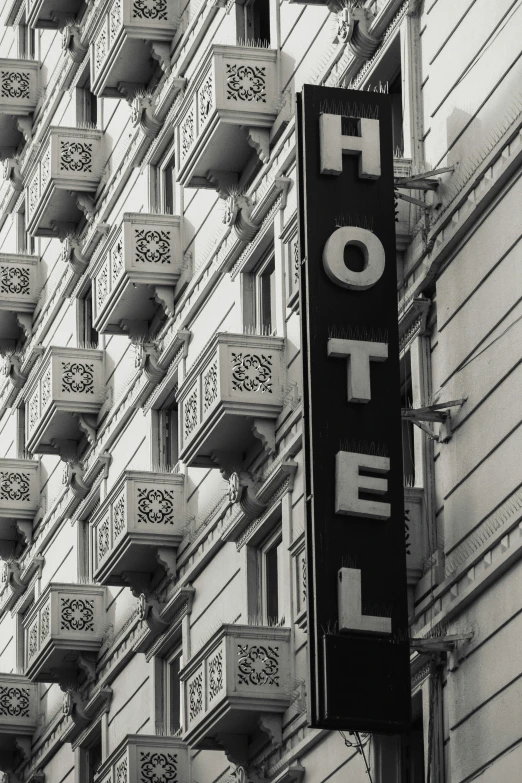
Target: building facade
{"x": 152, "y": 507}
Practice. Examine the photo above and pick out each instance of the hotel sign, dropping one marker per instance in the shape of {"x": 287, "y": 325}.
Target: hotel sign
{"x": 355, "y": 535}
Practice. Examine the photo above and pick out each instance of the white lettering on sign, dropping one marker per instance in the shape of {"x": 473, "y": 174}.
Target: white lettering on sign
{"x": 349, "y": 603}
{"x": 349, "y": 482}
{"x": 371, "y": 249}
{"x": 333, "y": 144}
{"x": 359, "y": 354}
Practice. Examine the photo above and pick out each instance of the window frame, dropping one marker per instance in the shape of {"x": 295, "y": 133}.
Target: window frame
{"x": 274, "y": 540}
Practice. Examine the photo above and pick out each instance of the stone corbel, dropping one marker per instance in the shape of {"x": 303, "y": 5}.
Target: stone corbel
{"x": 164, "y": 296}
{"x": 283, "y": 185}
{"x": 72, "y": 254}
{"x": 259, "y": 139}
{"x": 160, "y": 51}
{"x": 74, "y": 480}
{"x": 25, "y": 322}
{"x": 238, "y": 213}
{"x": 25, "y": 528}
{"x": 353, "y": 25}
{"x": 23, "y": 745}
{"x": 143, "y": 115}
{"x": 166, "y": 557}
{"x": 147, "y": 360}
{"x": 12, "y": 174}
{"x": 264, "y": 430}
{"x": 85, "y": 203}
{"x": 25, "y": 126}
{"x": 272, "y": 725}
{"x": 88, "y": 425}
{"x": 243, "y": 489}
{"x": 222, "y": 181}
{"x": 72, "y": 43}
{"x": 11, "y": 370}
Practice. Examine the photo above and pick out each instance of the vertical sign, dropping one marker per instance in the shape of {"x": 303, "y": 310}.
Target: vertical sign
{"x": 355, "y": 539}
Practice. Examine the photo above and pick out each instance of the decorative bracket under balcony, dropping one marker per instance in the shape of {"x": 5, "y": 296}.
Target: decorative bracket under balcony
{"x": 63, "y": 633}
{"x": 72, "y": 42}
{"x": 146, "y": 757}
{"x": 52, "y": 14}
{"x": 235, "y": 685}
{"x": 140, "y": 268}
{"x": 63, "y": 398}
{"x": 19, "y": 498}
{"x": 229, "y": 107}
{"x": 19, "y": 93}
{"x": 129, "y": 35}
{"x": 67, "y": 170}
{"x": 145, "y": 109}
{"x": 138, "y": 527}
{"x": 232, "y": 394}
{"x": 238, "y": 215}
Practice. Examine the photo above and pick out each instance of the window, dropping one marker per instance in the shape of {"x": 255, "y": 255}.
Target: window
{"x": 254, "y": 21}
{"x": 86, "y": 105}
{"x": 168, "y": 193}
{"x": 87, "y": 334}
{"x": 271, "y": 578}
{"x": 168, "y": 691}
{"x": 173, "y": 692}
{"x": 168, "y": 437}
{"x": 260, "y": 296}
{"x": 408, "y": 448}
{"x": 90, "y": 754}
{"x": 26, "y": 42}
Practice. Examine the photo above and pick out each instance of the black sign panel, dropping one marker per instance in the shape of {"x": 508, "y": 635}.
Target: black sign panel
{"x": 355, "y": 537}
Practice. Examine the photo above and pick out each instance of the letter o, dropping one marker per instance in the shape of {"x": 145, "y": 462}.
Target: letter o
{"x": 371, "y": 248}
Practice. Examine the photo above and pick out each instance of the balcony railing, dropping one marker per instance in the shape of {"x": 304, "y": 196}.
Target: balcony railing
{"x": 19, "y": 86}
{"x": 19, "y": 91}
{"x": 18, "y": 282}
{"x": 143, "y": 260}
{"x": 67, "y": 169}
{"x": 19, "y": 497}
{"x": 18, "y": 708}
{"x": 66, "y": 622}
{"x": 230, "y": 104}
{"x": 63, "y": 398}
{"x": 122, "y": 40}
{"x": 233, "y": 391}
{"x": 241, "y": 673}
{"x": 416, "y": 533}
{"x": 51, "y": 13}
{"x": 139, "y": 518}
{"x": 144, "y": 757}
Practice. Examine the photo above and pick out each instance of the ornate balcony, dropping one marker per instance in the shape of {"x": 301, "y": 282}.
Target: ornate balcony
{"x": 63, "y": 398}
{"x": 19, "y": 497}
{"x": 146, "y": 757}
{"x": 64, "y": 627}
{"x": 67, "y": 169}
{"x": 18, "y": 294}
{"x": 137, "y": 526}
{"x": 229, "y": 107}
{"x": 19, "y": 89}
{"x": 142, "y": 263}
{"x": 233, "y": 391}
{"x": 416, "y": 533}
{"x": 127, "y": 34}
{"x": 236, "y": 682}
{"x": 52, "y": 13}
{"x": 18, "y": 711}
